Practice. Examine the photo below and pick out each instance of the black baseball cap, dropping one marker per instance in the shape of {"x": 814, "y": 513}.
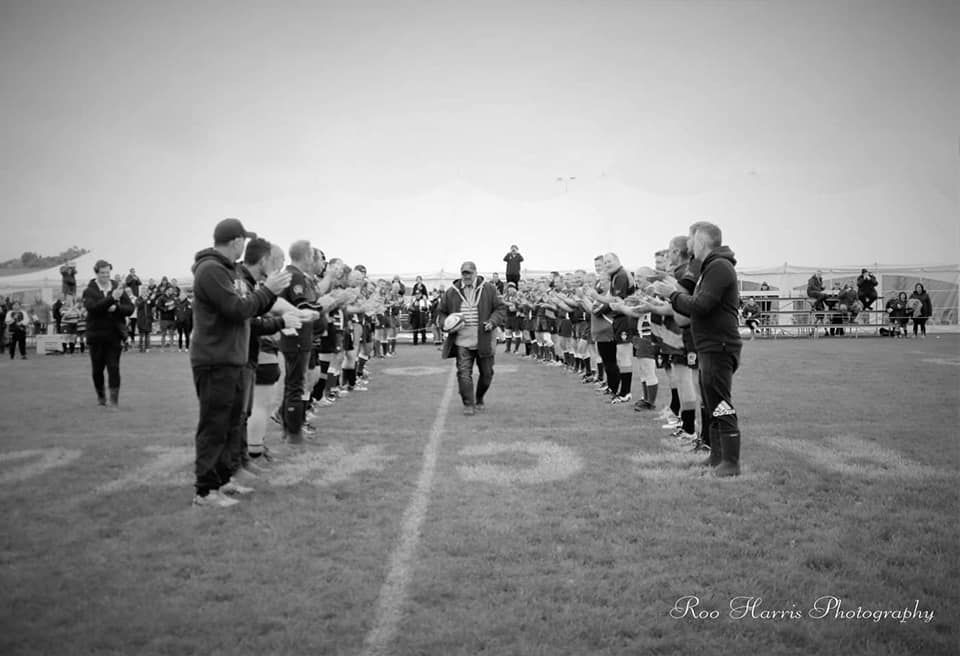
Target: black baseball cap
{"x": 230, "y": 229}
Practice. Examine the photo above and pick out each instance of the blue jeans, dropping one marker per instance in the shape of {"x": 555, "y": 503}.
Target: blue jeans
{"x": 465, "y": 359}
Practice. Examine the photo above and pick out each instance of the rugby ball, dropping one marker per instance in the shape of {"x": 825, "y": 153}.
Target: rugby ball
{"x": 453, "y": 322}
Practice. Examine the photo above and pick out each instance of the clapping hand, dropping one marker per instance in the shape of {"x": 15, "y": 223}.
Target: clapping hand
{"x": 664, "y": 287}
{"x": 278, "y": 281}
{"x": 292, "y": 320}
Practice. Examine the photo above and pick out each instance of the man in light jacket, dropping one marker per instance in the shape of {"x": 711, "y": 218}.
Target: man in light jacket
{"x": 475, "y": 342}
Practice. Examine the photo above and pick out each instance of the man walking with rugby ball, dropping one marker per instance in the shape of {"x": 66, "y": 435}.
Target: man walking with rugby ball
{"x": 475, "y": 340}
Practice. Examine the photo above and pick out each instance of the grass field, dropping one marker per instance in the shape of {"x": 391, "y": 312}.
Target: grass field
{"x": 552, "y": 524}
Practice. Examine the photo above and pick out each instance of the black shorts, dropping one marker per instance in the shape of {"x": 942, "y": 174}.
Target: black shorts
{"x": 565, "y": 328}
{"x": 581, "y": 330}
{"x": 332, "y": 342}
{"x": 643, "y": 347}
{"x": 267, "y": 374}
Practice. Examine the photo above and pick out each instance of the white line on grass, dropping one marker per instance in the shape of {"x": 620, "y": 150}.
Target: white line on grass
{"x": 390, "y": 603}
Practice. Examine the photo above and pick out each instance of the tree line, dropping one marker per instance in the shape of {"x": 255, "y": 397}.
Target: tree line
{"x": 31, "y": 260}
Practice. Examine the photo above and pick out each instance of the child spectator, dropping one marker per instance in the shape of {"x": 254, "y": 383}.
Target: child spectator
{"x": 144, "y": 310}
{"x": 184, "y": 320}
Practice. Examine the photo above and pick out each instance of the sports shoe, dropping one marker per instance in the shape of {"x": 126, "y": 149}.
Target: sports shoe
{"x": 309, "y": 430}
{"x": 469, "y": 410}
{"x": 276, "y": 418}
{"x": 232, "y": 487}
{"x": 685, "y": 438}
{"x": 244, "y": 476}
{"x": 255, "y": 466}
{"x": 643, "y": 406}
{"x": 480, "y": 407}
{"x": 621, "y": 399}
{"x": 327, "y": 401}
{"x": 672, "y": 423}
{"x": 213, "y": 500}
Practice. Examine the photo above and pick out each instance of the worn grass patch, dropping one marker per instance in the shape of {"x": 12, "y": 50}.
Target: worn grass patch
{"x": 555, "y": 525}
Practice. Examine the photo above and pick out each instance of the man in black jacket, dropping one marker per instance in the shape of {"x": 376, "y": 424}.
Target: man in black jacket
{"x": 219, "y": 350}
{"x": 714, "y": 323}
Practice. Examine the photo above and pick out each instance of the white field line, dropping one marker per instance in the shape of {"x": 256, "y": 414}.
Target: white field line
{"x": 394, "y": 590}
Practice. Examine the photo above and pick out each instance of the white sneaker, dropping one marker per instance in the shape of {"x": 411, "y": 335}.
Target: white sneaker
{"x": 622, "y": 399}
{"x": 672, "y": 423}
{"x": 213, "y": 500}
{"x": 232, "y": 487}
{"x": 244, "y": 477}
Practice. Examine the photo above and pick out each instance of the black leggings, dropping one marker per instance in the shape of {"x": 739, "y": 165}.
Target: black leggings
{"x": 920, "y": 322}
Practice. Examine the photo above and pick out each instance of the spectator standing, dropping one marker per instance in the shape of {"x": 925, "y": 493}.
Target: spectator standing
{"x": 513, "y": 260}
{"x": 107, "y": 306}
{"x": 218, "y": 353}
{"x": 167, "y": 306}
{"x": 496, "y": 281}
{"x": 766, "y": 305}
{"x": 41, "y": 316}
{"x": 419, "y": 287}
{"x": 70, "y": 320}
{"x": 712, "y": 309}
{"x": 16, "y": 322}
{"x": 926, "y": 309}
{"x": 419, "y": 314}
{"x": 3, "y": 323}
{"x": 133, "y": 282}
{"x": 56, "y": 312}
{"x": 184, "y": 320}
{"x": 68, "y": 279}
{"x": 144, "y": 311}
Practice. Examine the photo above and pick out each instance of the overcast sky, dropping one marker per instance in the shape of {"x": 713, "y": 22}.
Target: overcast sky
{"x": 411, "y": 135}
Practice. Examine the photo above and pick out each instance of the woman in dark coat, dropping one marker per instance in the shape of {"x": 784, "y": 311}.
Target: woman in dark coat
{"x": 926, "y": 309}
{"x": 107, "y": 307}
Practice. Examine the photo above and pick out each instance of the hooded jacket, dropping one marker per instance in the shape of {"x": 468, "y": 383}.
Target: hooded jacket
{"x": 222, "y": 308}
{"x": 712, "y": 308}
{"x": 490, "y": 307}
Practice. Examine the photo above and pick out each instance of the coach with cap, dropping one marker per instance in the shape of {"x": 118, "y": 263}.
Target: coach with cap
{"x": 222, "y": 309}
{"x": 475, "y": 340}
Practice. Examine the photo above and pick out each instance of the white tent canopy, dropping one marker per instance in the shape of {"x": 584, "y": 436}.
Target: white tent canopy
{"x": 46, "y": 283}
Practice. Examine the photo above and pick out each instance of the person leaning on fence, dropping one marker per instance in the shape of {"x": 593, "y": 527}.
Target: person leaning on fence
{"x": 714, "y": 321}
{"x": 817, "y": 295}
{"x": 924, "y": 312}
{"x": 108, "y": 307}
